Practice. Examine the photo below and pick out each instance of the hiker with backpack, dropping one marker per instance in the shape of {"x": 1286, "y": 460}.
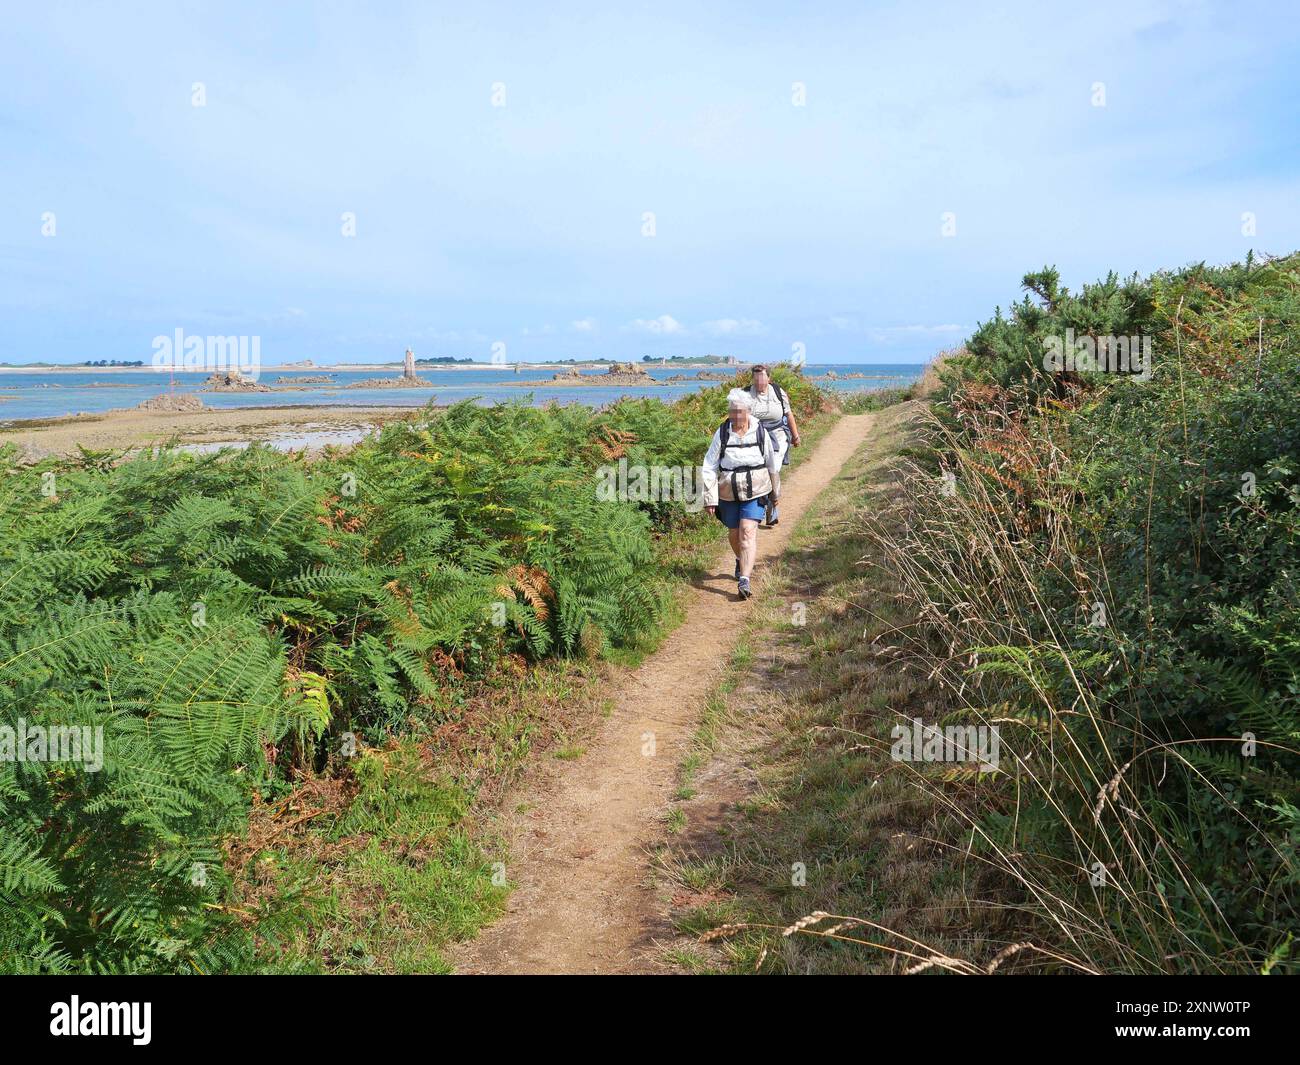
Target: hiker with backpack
{"x": 771, "y": 406}
{"x": 740, "y": 469}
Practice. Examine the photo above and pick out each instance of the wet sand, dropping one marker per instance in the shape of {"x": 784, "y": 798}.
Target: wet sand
{"x": 131, "y": 429}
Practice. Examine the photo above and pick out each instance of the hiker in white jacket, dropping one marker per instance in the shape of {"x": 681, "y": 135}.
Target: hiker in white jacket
{"x": 739, "y": 470}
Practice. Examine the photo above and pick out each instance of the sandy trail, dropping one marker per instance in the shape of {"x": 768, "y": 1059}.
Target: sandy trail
{"x": 583, "y": 903}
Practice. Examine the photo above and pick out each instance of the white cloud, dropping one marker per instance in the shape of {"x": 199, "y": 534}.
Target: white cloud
{"x": 722, "y": 327}
{"x": 664, "y": 325}
{"x": 584, "y": 325}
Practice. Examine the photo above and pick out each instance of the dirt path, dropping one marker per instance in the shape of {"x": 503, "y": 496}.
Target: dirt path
{"x": 583, "y": 903}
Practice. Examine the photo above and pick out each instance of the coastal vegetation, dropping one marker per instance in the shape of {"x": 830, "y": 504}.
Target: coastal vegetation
{"x": 242, "y": 629}
{"x": 1078, "y": 532}
{"x": 1101, "y": 563}
{"x": 1116, "y": 583}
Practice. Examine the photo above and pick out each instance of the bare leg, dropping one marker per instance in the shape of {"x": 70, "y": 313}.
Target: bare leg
{"x": 748, "y": 545}
{"x": 734, "y": 536}
{"x": 780, "y": 445}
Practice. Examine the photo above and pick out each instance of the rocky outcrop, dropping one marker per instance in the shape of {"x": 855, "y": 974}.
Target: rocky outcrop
{"x": 232, "y": 382}
{"x": 618, "y": 373}
{"x": 392, "y": 382}
{"x": 703, "y": 375}
{"x": 173, "y": 403}
{"x": 621, "y": 373}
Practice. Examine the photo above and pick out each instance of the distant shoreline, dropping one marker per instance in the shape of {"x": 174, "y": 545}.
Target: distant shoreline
{"x": 396, "y": 368}
{"x": 351, "y": 367}
{"x": 361, "y": 367}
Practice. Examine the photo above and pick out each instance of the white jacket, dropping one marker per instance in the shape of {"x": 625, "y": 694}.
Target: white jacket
{"x": 760, "y": 470}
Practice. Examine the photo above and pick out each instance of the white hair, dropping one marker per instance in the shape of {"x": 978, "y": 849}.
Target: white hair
{"x": 739, "y": 399}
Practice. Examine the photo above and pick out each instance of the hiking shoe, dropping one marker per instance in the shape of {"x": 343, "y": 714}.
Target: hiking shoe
{"x": 737, "y": 569}
{"x": 742, "y": 586}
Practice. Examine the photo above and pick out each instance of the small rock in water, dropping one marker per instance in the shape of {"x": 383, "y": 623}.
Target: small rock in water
{"x": 173, "y": 402}
{"x": 232, "y": 381}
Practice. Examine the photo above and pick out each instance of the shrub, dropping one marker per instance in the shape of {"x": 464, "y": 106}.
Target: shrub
{"x": 224, "y": 618}
{"x": 1115, "y": 584}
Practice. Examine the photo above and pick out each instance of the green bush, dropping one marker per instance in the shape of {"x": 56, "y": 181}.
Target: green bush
{"x": 868, "y": 401}
{"x": 1117, "y": 582}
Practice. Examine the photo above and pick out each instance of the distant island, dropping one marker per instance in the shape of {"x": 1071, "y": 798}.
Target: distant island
{"x": 692, "y": 360}
{"x": 69, "y": 365}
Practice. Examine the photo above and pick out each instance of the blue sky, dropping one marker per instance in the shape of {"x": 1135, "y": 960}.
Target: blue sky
{"x": 523, "y": 225}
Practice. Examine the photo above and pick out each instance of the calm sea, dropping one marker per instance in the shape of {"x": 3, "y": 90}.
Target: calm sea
{"x": 49, "y": 395}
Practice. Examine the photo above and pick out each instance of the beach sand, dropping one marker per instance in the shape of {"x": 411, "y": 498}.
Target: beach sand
{"x": 130, "y": 429}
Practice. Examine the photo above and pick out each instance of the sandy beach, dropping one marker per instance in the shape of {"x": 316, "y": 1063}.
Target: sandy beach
{"x": 131, "y": 429}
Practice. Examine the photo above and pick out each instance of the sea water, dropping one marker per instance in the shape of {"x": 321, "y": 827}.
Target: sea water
{"x": 50, "y": 395}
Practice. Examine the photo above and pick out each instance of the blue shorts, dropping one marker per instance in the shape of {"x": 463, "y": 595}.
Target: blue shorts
{"x": 730, "y": 512}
